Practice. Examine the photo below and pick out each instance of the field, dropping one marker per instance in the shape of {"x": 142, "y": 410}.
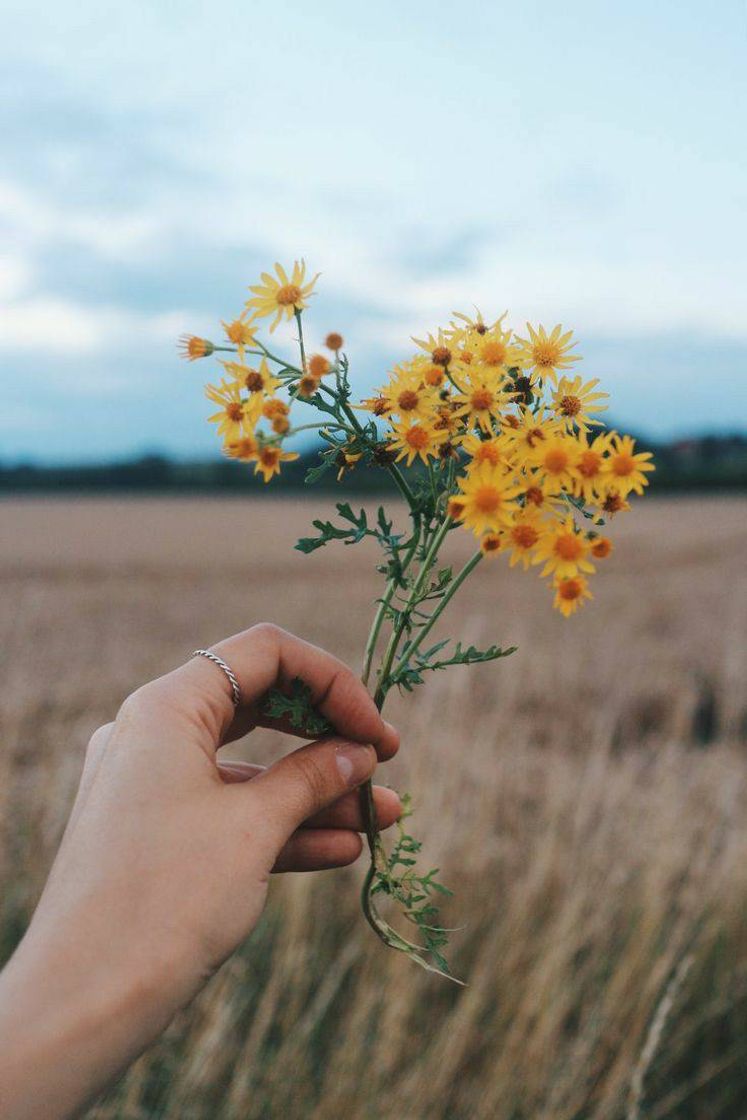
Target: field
{"x": 587, "y": 798}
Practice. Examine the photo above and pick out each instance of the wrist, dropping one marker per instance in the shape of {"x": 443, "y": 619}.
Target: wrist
{"x": 67, "y": 1027}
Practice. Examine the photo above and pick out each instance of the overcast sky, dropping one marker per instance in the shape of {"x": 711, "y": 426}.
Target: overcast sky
{"x": 581, "y": 163}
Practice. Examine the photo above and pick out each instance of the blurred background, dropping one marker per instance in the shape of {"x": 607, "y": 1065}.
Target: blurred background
{"x": 581, "y": 164}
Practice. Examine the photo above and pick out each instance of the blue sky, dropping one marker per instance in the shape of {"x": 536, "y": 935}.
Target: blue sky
{"x": 580, "y": 163}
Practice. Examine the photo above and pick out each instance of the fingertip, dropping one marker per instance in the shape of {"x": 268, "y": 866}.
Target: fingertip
{"x": 388, "y": 806}
{"x": 388, "y": 744}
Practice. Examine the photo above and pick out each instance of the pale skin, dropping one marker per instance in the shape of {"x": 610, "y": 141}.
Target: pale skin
{"x": 164, "y": 866}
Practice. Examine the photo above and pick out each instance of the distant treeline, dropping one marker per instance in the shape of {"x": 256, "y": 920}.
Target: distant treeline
{"x": 705, "y": 463}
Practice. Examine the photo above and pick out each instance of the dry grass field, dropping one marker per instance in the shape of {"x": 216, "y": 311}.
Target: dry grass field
{"x": 587, "y": 798}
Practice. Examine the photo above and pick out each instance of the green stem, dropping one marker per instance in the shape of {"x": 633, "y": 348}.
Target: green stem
{"x": 297, "y": 313}
{"x": 393, "y": 469}
{"x": 391, "y": 650}
{"x": 413, "y": 646}
{"x": 378, "y": 621}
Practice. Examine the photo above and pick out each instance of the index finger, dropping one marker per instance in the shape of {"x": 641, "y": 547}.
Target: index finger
{"x": 266, "y": 656}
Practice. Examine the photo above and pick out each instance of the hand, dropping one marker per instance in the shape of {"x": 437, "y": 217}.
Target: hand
{"x": 163, "y": 868}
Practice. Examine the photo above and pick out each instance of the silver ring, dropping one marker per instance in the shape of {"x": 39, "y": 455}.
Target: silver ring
{"x": 235, "y": 688}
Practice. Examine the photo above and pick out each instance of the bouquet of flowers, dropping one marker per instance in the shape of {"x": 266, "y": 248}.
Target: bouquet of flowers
{"x": 482, "y": 431}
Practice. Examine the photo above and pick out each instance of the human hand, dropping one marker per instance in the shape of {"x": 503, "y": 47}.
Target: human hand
{"x": 164, "y": 866}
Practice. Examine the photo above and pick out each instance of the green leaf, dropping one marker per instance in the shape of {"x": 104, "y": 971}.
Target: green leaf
{"x": 297, "y": 707}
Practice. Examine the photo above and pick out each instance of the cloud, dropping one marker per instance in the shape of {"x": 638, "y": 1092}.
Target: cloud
{"x": 50, "y": 326}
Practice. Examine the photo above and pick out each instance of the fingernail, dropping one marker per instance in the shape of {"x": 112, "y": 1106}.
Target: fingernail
{"x": 356, "y": 762}
{"x": 390, "y": 727}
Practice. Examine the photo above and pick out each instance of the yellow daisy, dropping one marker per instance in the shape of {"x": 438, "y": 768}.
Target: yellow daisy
{"x": 495, "y": 451}
{"x": 437, "y": 347}
{"x": 547, "y": 353}
{"x": 491, "y": 544}
{"x": 570, "y": 594}
{"x": 523, "y": 535}
{"x": 542, "y": 496}
{"x": 407, "y": 396}
{"x": 591, "y": 479}
{"x": 416, "y": 439}
{"x": 378, "y": 405}
{"x": 259, "y": 383}
{"x": 482, "y": 399}
{"x": 563, "y": 550}
{"x": 487, "y": 499}
{"x": 235, "y": 417}
{"x": 613, "y": 503}
{"x": 269, "y": 459}
{"x": 471, "y": 325}
{"x": 240, "y": 333}
{"x": 526, "y": 431}
{"x": 554, "y": 459}
{"x": 574, "y": 403}
{"x": 244, "y": 448}
{"x": 495, "y": 349}
{"x": 281, "y": 295}
{"x": 626, "y": 467}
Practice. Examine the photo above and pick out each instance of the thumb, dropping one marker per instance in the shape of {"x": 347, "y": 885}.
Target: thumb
{"x": 306, "y": 781}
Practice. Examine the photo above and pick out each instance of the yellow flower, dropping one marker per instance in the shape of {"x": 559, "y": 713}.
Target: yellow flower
{"x": 527, "y": 431}
{"x": 378, "y": 405}
{"x": 448, "y": 419}
{"x": 613, "y": 503}
{"x": 564, "y": 550}
{"x": 482, "y": 399}
{"x": 543, "y": 497}
{"x": 269, "y": 459}
{"x": 236, "y": 417}
{"x": 245, "y": 448}
{"x": 472, "y": 326}
{"x": 523, "y": 535}
{"x": 259, "y": 383}
{"x": 590, "y": 475}
{"x": 433, "y": 375}
{"x": 547, "y": 352}
{"x": 496, "y": 351}
{"x": 407, "y": 396}
{"x": 437, "y": 347}
{"x": 554, "y": 459}
{"x": 490, "y": 544}
{"x": 487, "y": 494}
{"x": 417, "y": 439}
{"x": 191, "y": 347}
{"x": 281, "y": 296}
{"x": 570, "y": 594}
{"x": 626, "y": 467}
{"x": 240, "y": 333}
{"x": 574, "y": 402}
{"x": 495, "y": 451}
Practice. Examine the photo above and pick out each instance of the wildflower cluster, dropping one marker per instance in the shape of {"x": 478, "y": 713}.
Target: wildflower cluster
{"x": 519, "y": 427}
{"x": 479, "y": 428}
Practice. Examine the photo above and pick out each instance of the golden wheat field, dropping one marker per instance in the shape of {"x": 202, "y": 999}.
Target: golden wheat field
{"x": 586, "y": 798}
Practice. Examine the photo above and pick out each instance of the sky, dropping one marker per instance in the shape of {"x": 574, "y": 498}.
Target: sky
{"x": 582, "y": 163}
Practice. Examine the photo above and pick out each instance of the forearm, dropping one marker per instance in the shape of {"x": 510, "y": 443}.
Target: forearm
{"x": 69, "y": 1027}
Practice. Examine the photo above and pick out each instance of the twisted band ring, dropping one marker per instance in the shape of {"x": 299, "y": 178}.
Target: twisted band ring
{"x": 235, "y": 687}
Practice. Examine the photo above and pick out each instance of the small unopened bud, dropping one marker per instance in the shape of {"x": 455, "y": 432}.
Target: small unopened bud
{"x": 334, "y": 341}
{"x": 318, "y": 365}
{"x": 191, "y": 347}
